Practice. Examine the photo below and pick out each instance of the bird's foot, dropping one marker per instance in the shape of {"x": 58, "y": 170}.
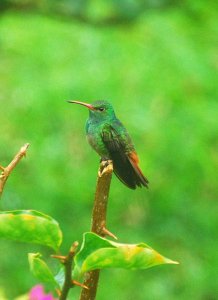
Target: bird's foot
{"x": 106, "y": 166}
{"x": 105, "y": 231}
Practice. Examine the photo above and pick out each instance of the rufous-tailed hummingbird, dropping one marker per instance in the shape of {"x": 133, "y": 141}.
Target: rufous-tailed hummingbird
{"x": 110, "y": 139}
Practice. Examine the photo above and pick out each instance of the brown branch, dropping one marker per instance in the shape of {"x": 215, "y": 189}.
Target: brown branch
{"x": 6, "y": 171}
{"x": 68, "y": 262}
{"x": 98, "y": 226}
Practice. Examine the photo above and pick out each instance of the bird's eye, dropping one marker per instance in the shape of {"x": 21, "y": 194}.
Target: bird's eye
{"x": 101, "y": 109}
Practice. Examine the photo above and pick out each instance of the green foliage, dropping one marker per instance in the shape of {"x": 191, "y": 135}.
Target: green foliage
{"x": 161, "y": 76}
{"x": 30, "y": 226}
{"x": 101, "y": 253}
{"x": 41, "y": 270}
{"x": 96, "y": 11}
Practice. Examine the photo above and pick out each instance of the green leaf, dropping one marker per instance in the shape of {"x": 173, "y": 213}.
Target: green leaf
{"x": 60, "y": 276}
{"x": 99, "y": 253}
{"x": 30, "y": 226}
{"x": 41, "y": 270}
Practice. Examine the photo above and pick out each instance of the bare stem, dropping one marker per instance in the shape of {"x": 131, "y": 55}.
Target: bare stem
{"x": 68, "y": 261}
{"x": 98, "y": 225}
{"x": 7, "y": 170}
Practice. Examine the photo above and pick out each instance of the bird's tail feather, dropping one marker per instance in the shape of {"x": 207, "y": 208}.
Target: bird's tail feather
{"x": 128, "y": 171}
{"x": 134, "y": 162}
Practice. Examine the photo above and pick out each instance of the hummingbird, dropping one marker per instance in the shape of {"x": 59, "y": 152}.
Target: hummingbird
{"x": 110, "y": 139}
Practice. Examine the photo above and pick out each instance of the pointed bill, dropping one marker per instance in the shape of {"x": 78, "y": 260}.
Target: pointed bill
{"x": 89, "y": 106}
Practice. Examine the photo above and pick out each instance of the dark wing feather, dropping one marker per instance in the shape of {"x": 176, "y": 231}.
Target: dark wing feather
{"x": 125, "y": 163}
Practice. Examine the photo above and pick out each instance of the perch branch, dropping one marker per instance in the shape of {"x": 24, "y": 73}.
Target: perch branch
{"x": 6, "y": 171}
{"x": 98, "y": 225}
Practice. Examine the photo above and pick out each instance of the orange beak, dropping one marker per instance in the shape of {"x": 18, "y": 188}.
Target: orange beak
{"x": 89, "y": 106}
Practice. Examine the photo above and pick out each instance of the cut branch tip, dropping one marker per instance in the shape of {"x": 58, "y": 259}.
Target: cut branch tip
{"x": 74, "y": 247}
{"x": 24, "y": 149}
{"x": 106, "y": 167}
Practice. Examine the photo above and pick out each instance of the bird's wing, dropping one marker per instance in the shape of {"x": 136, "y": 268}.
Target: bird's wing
{"x": 124, "y": 157}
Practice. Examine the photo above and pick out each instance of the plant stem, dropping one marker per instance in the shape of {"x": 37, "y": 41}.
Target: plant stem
{"x": 68, "y": 261}
{"x": 7, "y": 170}
{"x": 98, "y": 225}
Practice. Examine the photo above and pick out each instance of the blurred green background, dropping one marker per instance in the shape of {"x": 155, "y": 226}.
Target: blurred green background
{"x": 156, "y": 61}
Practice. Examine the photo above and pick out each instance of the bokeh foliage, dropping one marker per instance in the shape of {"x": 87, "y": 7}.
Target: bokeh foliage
{"x": 160, "y": 73}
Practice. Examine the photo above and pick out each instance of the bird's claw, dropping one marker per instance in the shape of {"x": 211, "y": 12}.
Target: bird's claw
{"x": 106, "y": 166}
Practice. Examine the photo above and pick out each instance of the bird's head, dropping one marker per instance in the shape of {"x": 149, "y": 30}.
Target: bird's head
{"x": 99, "y": 110}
